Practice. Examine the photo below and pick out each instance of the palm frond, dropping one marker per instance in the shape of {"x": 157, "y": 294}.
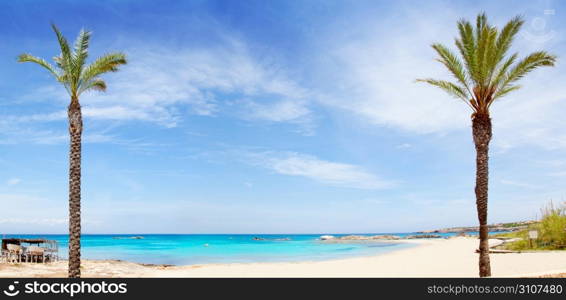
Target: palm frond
{"x": 526, "y": 65}
{"x": 505, "y": 38}
{"x": 81, "y": 50}
{"x": 467, "y": 46}
{"x": 69, "y": 68}
{"x": 504, "y": 84}
{"x": 107, "y": 63}
{"x": 95, "y": 84}
{"x": 502, "y": 92}
{"x": 64, "y": 61}
{"x": 491, "y": 61}
{"x": 484, "y": 71}
{"x": 452, "y": 89}
{"x": 481, "y": 23}
{"x": 531, "y": 62}
{"x": 40, "y": 61}
{"x": 453, "y": 64}
{"x": 484, "y": 41}
{"x": 502, "y": 71}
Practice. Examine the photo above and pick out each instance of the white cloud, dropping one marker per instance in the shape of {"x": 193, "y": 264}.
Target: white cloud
{"x": 159, "y": 85}
{"x": 54, "y": 116}
{"x": 519, "y": 184}
{"x": 373, "y": 72}
{"x": 280, "y": 111}
{"x": 558, "y": 174}
{"x": 291, "y": 111}
{"x": 32, "y": 221}
{"x": 163, "y": 85}
{"x": 326, "y": 172}
{"x": 534, "y": 114}
{"x": 373, "y": 75}
{"x": 13, "y": 181}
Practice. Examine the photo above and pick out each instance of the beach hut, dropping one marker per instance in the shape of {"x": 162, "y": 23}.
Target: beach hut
{"x": 29, "y": 250}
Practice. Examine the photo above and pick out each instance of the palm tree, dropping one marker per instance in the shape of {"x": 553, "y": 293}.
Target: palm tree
{"x": 77, "y": 77}
{"x": 483, "y": 74}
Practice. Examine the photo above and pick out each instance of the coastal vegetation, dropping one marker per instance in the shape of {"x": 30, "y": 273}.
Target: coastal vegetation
{"x": 550, "y": 231}
{"x": 497, "y": 227}
{"x": 484, "y": 73}
{"x": 77, "y": 77}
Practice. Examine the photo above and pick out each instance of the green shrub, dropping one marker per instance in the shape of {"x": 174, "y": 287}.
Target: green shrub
{"x": 552, "y": 227}
{"x": 551, "y": 231}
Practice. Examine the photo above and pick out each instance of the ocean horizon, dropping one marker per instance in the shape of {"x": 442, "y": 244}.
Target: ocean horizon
{"x": 190, "y": 249}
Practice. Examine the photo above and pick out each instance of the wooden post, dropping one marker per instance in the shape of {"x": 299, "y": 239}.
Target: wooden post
{"x": 533, "y": 235}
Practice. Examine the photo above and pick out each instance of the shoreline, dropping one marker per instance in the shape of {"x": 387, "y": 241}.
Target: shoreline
{"x": 453, "y": 257}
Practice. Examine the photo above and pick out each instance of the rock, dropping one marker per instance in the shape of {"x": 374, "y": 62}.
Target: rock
{"x": 352, "y": 238}
{"x": 499, "y": 227}
{"x": 255, "y": 238}
{"x": 428, "y": 231}
{"x": 367, "y": 238}
{"x": 327, "y": 237}
{"x": 423, "y": 236}
{"x": 385, "y": 237}
{"x": 128, "y": 237}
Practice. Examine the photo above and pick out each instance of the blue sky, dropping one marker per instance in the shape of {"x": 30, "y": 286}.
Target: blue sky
{"x": 272, "y": 117}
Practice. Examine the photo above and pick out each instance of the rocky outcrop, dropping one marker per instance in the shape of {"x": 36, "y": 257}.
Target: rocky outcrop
{"x": 499, "y": 227}
{"x": 423, "y": 236}
{"x": 128, "y": 237}
{"x": 367, "y": 237}
{"x": 255, "y": 238}
{"x": 385, "y": 237}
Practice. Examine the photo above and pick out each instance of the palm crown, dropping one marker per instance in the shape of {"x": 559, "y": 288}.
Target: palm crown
{"x": 71, "y": 69}
{"x": 485, "y": 72}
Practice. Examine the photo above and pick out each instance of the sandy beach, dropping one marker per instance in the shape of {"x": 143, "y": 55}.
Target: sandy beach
{"x": 453, "y": 257}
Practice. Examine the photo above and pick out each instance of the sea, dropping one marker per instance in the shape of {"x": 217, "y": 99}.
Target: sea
{"x": 192, "y": 249}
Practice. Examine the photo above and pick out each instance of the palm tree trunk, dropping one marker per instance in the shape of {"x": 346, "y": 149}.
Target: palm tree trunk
{"x": 75, "y": 131}
{"x": 481, "y": 129}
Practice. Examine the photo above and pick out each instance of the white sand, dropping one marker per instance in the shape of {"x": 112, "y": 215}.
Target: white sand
{"x": 431, "y": 258}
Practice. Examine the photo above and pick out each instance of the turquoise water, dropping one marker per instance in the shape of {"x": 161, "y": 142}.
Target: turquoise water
{"x": 189, "y": 249}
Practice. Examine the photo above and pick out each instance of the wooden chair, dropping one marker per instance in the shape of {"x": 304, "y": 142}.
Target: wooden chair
{"x": 52, "y": 251}
{"x": 14, "y": 253}
{"x": 35, "y": 253}
{"x": 4, "y": 255}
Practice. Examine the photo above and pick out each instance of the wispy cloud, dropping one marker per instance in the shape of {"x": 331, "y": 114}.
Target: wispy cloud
{"x": 519, "y": 184}
{"x": 13, "y": 181}
{"x": 326, "y": 172}
{"x": 377, "y": 72}
{"x": 32, "y": 221}
{"x": 162, "y": 85}
{"x": 292, "y": 111}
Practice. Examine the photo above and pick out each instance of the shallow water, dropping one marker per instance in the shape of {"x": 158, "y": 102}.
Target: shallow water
{"x": 186, "y": 249}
